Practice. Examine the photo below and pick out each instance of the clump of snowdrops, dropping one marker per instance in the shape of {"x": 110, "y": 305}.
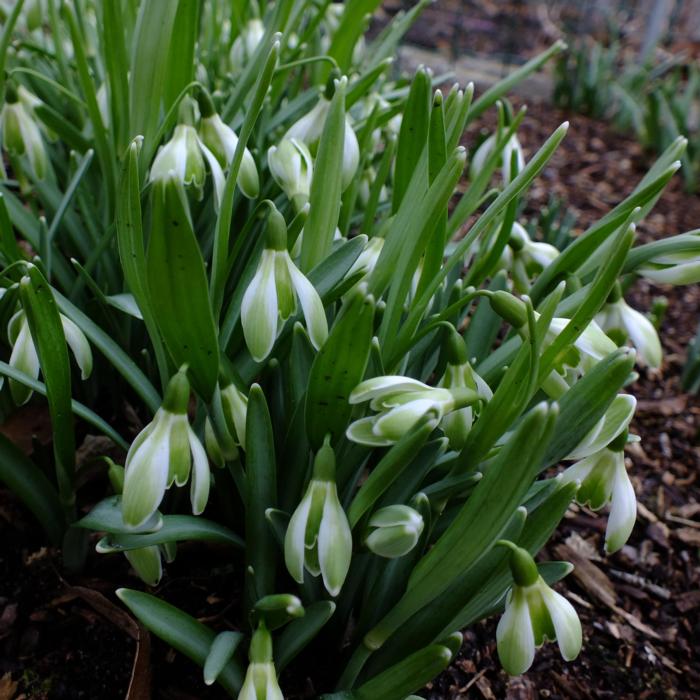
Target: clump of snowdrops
{"x": 238, "y": 226}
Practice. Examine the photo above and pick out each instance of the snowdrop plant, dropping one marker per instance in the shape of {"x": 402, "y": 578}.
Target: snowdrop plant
{"x": 338, "y": 367}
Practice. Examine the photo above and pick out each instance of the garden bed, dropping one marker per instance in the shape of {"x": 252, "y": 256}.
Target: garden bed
{"x": 64, "y": 636}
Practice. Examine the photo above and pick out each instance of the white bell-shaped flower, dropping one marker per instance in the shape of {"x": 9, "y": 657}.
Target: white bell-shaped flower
{"x": 24, "y": 355}
{"x": 185, "y": 155}
{"x": 309, "y": 128}
{"x": 260, "y": 681}
{"x": 271, "y": 297}
{"x": 534, "y": 613}
{"x": 163, "y": 453}
{"x": 20, "y": 132}
{"x": 622, "y": 322}
{"x": 291, "y": 165}
{"x": 246, "y": 43}
{"x": 604, "y": 480}
{"x": 401, "y": 402}
{"x": 222, "y": 141}
{"x": 318, "y": 537}
{"x": 483, "y": 153}
{"x": 682, "y": 267}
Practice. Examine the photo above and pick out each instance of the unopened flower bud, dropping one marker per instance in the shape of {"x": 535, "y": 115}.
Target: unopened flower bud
{"x": 395, "y": 531}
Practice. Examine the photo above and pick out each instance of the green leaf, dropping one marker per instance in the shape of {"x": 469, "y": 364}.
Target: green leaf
{"x": 503, "y": 87}
{"x": 106, "y": 516}
{"x": 178, "y": 288}
{"x": 413, "y": 137}
{"x": 352, "y": 26}
{"x": 182, "y": 632}
{"x": 175, "y": 528}
{"x": 149, "y": 68}
{"x": 585, "y": 403}
{"x": 326, "y": 184}
{"x": 47, "y": 333}
{"x": 410, "y": 674}
{"x": 300, "y": 632}
{"x": 220, "y": 259}
{"x": 116, "y": 356}
{"x": 338, "y": 368}
{"x": 79, "y": 409}
{"x": 181, "y": 59}
{"x": 389, "y": 469}
{"x": 222, "y": 650}
{"x": 483, "y": 516}
{"x": 261, "y": 494}
{"x": 132, "y": 253}
{"x": 32, "y": 487}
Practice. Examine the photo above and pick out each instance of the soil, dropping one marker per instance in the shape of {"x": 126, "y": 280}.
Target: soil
{"x": 65, "y": 637}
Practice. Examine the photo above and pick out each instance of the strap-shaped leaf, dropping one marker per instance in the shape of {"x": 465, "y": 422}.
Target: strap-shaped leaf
{"x": 483, "y": 516}
{"x": 175, "y": 528}
{"x": 50, "y": 342}
{"x": 178, "y": 288}
{"x": 413, "y": 136}
{"x": 300, "y": 632}
{"x": 32, "y": 487}
{"x": 182, "y": 631}
{"x": 327, "y": 184}
{"x": 132, "y": 251}
{"x": 222, "y": 650}
{"x": 338, "y": 368}
{"x": 410, "y": 674}
{"x": 261, "y": 494}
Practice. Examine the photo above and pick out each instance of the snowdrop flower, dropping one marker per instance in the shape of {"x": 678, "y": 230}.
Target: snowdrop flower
{"x": 318, "y": 538}
{"x": 185, "y": 156}
{"x": 271, "y": 296}
{"x": 309, "y": 128}
{"x": 246, "y": 43}
{"x": 222, "y": 141}
{"x": 394, "y": 531}
{"x": 483, "y": 153}
{"x": 604, "y": 480}
{"x": 401, "y": 402}
{"x": 292, "y": 167}
{"x": 260, "y": 681}
{"x": 613, "y": 423}
{"x": 367, "y": 259}
{"x": 534, "y": 613}
{"x": 460, "y": 374}
{"x": 147, "y": 563}
{"x": 623, "y": 322}
{"x": 525, "y": 257}
{"x": 673, "y": 268}
{"x": 163, "y": 453}
{"x": 20, "y": 132}
{"x": 24, "y": 355}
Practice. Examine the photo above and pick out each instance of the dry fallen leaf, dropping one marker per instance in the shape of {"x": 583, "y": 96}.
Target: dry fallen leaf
{"x": 8, "y": 687}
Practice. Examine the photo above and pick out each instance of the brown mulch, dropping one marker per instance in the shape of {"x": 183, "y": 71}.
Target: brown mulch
{"x": 640, "y": 608}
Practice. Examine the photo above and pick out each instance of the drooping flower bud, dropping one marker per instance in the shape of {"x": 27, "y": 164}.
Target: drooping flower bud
{"x": 222, "y": 141}
{"x": 395, "y": 531}
{"x": 483, "y": 153}
{"x": 20, "y": 132}
{"x": 622, "y": 322}
{"x": 24, "y": 356}
{"x": 460, "y": 374}
{"x": 292, "y": 167}
{"x": 534, "y": 613}
{"x": 185, "y": 155}
{"x": 318, "y": 537}
{"x": 309, "y": 128}
{"x": 163, "y": 453}
{"x": 246, "y": 43}
{"x": 604, "y": 480}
